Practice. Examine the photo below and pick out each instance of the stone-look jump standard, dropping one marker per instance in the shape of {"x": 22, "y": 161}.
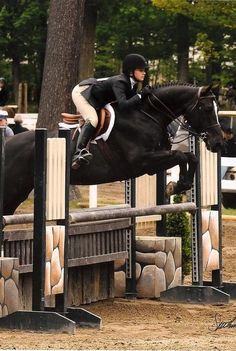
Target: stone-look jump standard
{"x": 158, "y": 266}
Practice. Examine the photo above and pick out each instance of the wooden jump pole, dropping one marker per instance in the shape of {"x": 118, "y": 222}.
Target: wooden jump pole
{"x": 18, "y": 219}
{"x": 130, "y": 212}
{"x": 113, "y": 213}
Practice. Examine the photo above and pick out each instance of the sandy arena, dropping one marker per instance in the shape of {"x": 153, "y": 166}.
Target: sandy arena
{"x": 147, "y": 324}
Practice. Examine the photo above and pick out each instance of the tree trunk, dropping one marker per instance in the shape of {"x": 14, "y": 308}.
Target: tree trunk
{"x": 61, "y": 66}
{"x": 182, "y": 48}
{"x": 16, "y": 74}
{"x": 209, "y": 73}
{"x": 86, "y": 63}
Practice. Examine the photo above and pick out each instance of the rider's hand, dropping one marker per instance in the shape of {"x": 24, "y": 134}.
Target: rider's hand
{"x": 147, "y": 90}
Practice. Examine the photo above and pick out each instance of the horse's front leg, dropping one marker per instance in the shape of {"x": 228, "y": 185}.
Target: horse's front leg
{"x": 186, "y": 175}
{"x": 162, "y": 160}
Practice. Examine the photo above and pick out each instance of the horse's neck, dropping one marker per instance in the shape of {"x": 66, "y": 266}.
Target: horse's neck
{"x": 177, "y": 100}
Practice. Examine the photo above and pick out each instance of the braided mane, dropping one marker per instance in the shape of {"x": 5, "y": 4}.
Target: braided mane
{"x": 171, "y": 84}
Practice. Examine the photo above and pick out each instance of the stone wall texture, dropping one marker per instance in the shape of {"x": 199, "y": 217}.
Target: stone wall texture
{"x": 54, "y": 270}
{"x": 210, "y": 240}
{"x": 9, "y": 285}
{"x": 158, "y": 266}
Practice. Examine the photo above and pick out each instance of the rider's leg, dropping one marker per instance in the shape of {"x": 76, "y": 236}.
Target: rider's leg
{"x": 82, "y": 155}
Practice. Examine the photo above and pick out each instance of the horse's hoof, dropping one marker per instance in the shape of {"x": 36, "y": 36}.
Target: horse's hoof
{"x": 171, "y": 188}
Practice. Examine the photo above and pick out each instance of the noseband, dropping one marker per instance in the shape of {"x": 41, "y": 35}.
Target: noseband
{"x": 173, "y": 117}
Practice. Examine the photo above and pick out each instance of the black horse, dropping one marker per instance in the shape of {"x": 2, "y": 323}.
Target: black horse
{"x": 137, "y": 144}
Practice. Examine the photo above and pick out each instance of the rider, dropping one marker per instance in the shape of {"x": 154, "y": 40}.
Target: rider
{"x": 91, "y": 95}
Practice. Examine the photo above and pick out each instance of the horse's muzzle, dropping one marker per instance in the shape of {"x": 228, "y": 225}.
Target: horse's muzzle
{"x": 215, "y": 146}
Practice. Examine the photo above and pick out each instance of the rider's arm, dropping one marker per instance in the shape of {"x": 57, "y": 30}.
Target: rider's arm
{"x": 121, "y": 92}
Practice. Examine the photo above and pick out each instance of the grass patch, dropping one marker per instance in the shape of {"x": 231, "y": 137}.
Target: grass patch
{"x": 28, "y": 205}
{"x": 229, "y": 211}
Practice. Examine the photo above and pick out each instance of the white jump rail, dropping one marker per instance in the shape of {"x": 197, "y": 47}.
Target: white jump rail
{"x": 227, "y": 113}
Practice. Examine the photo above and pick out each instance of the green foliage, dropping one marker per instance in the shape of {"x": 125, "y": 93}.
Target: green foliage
{"x": 216, "y": 13}
{"x": 23, "y": 29}
{"x": 229, "y": 211}
{"x": 177, "y": 224}
{"x": 212, "y": 32}
{"x": 148, "y": 27}
{"x": 206, "y": 47}
{"x": 21, "y": 26}
{"x": 130, "y": 26}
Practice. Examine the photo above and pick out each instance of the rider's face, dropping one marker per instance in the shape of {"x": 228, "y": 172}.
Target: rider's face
{"x": 139, "y": 74}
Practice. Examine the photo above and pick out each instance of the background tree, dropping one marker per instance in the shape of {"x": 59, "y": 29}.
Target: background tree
{"x": 130, "y": 26}
{"x": 86, "y": 62}
{"x": 194, "y": 43}
{"x": 23, "y": 27}
{"x": 61, "y": 68}
{"x": 213, "y": 19}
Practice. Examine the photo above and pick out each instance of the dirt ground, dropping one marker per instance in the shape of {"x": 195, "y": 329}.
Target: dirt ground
{"x": 148, "y": 324}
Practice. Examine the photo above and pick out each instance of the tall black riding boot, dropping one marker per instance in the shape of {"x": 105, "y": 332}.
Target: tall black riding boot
{"x": 82, "y": 155}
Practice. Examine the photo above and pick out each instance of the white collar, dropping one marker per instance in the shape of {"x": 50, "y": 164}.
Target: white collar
{"x": 132, "y": 81}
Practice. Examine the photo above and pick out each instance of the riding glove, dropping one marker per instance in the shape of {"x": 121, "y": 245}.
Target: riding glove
{"x": 147, "y": 90}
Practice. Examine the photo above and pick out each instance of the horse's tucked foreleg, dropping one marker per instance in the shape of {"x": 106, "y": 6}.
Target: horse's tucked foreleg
{"x": 192, "y": 162}
{"x": 153, "y": 162}
{"x": 162, "y": 160}
{"x": 186, "y": 175}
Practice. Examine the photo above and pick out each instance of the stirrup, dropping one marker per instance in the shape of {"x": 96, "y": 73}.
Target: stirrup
{"x": 83, "y": 157}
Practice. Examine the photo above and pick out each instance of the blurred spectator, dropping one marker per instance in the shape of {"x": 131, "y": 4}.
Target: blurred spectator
{"x": 231, "y": 95}
{"x": 3, "y": 123}
{"x": 17, "y": 127}
{"x": 10, "y": 111}
{"x": 4, "y": 94}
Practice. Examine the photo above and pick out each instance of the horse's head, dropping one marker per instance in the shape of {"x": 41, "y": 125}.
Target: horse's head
{"x": 203, "y": 118}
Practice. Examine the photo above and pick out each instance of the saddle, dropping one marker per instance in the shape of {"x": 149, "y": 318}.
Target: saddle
{"x": 104, "y": 117}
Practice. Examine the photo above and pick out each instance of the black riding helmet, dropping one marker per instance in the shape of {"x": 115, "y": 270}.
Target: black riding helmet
{"x": 132, "y": 62}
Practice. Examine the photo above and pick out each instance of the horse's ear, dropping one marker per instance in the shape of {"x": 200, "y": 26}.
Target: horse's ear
{"x": 205, "y": 89}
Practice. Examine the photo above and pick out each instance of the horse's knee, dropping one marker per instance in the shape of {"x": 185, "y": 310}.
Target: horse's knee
{"x": 192, "y": 158}
{"x": 180, "y": 156}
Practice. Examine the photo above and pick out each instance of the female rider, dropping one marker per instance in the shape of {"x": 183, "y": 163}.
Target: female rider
{"x": 91, "y": 95}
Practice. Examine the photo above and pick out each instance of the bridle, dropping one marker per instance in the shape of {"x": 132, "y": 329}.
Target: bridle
{"x": 175, "y": 118}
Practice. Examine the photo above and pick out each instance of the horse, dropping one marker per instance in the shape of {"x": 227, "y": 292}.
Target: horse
{"x": 138, "y": 144}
